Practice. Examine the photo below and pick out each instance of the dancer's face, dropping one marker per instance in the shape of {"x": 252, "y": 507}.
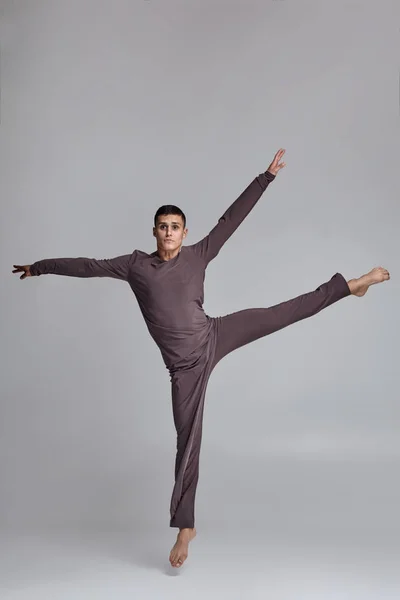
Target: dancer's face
{"x": 169, "y": 232}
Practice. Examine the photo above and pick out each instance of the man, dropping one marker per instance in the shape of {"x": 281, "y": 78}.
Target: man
{"x": 168, "y": 285}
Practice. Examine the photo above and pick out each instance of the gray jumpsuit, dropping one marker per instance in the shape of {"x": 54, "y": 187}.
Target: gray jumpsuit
{"x": 170, "y": 295}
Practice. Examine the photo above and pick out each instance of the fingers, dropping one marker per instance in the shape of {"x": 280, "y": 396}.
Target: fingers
{"x": 19, "y": 268}
{"x": 277, "y": 158}
{"x": 279, "y": 154}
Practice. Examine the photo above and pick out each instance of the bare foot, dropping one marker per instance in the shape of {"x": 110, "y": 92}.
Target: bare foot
{"x": 359, "y": 287}
{"x": 179, "y": 552}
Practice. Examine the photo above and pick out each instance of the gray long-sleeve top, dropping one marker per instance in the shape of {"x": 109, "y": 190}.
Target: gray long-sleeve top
{"x": 170, "y": 293}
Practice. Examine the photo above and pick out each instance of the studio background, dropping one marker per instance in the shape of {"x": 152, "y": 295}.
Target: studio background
{"x": 111, "y": 109}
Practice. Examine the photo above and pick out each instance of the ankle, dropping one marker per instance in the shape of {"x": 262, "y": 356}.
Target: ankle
{"x": 354, "y": 285}
{"x": 187, "y": 532}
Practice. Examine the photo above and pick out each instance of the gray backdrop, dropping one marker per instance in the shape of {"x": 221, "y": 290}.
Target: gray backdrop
{"x": 110, "y": 109}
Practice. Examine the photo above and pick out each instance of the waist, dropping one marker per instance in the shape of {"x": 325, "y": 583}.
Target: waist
{"x": 177, "y": 345}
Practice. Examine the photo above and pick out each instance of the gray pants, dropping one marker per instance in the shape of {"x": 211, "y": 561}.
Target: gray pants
{"x": 189, "y": 379}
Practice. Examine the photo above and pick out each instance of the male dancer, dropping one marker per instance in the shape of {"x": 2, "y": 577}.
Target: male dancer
{"x": 168, "y": 285}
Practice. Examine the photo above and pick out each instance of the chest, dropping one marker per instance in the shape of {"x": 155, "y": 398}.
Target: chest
{"x": 181, "y": 280}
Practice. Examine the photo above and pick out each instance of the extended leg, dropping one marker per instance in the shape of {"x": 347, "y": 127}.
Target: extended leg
{"x": 243, "y": 327}
{"x": 240, "y": 328}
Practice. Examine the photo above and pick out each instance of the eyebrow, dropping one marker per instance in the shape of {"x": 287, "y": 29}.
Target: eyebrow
{"x": 166, "y": 223}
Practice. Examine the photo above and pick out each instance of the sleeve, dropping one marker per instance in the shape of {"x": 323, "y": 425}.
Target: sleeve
{"x": 117, "y": 268}
{"x": 210, "y": 245}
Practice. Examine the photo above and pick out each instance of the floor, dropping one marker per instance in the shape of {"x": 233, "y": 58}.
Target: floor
{"x": 308, "y": 530}
{"x": 249, "y": 565}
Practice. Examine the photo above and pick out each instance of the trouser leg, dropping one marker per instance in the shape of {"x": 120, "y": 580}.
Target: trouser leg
{"x": 240, "y": 328}
{"x": 188, "y": 393}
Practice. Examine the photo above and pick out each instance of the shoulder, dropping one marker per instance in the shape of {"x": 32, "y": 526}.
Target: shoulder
{"x": 189, "y": 252}
{"x": 197, "y": 252}
{"x": 140, "y": 255}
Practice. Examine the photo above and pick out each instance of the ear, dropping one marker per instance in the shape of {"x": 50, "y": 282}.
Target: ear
{"x": 154, "y": 231}
{"x": 185, "y": 232}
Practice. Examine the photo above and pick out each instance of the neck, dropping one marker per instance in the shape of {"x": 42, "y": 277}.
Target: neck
{"x": 168, "y": 254}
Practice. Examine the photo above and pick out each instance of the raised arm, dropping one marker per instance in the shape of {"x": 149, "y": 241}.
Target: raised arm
{"x": 117, "y": 267}
{"x": 210, "y": 245}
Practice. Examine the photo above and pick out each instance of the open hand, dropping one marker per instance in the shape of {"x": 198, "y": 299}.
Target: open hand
{"x": 275, "y": 166}
{"x": 24, "y": 269}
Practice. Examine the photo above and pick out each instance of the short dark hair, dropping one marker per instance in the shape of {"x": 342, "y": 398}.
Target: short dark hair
{"x": 169, "y": 209}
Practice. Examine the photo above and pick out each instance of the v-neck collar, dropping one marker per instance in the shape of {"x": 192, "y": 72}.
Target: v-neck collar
{"x": 157, "y": 261}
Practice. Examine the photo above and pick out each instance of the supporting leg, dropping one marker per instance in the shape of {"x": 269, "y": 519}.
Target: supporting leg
{"x": 188, "y": 394}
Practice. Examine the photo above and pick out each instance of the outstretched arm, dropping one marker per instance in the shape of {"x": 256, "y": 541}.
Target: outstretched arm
{"x": 209, "y": 246}
{"x": 117, "y": 267}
